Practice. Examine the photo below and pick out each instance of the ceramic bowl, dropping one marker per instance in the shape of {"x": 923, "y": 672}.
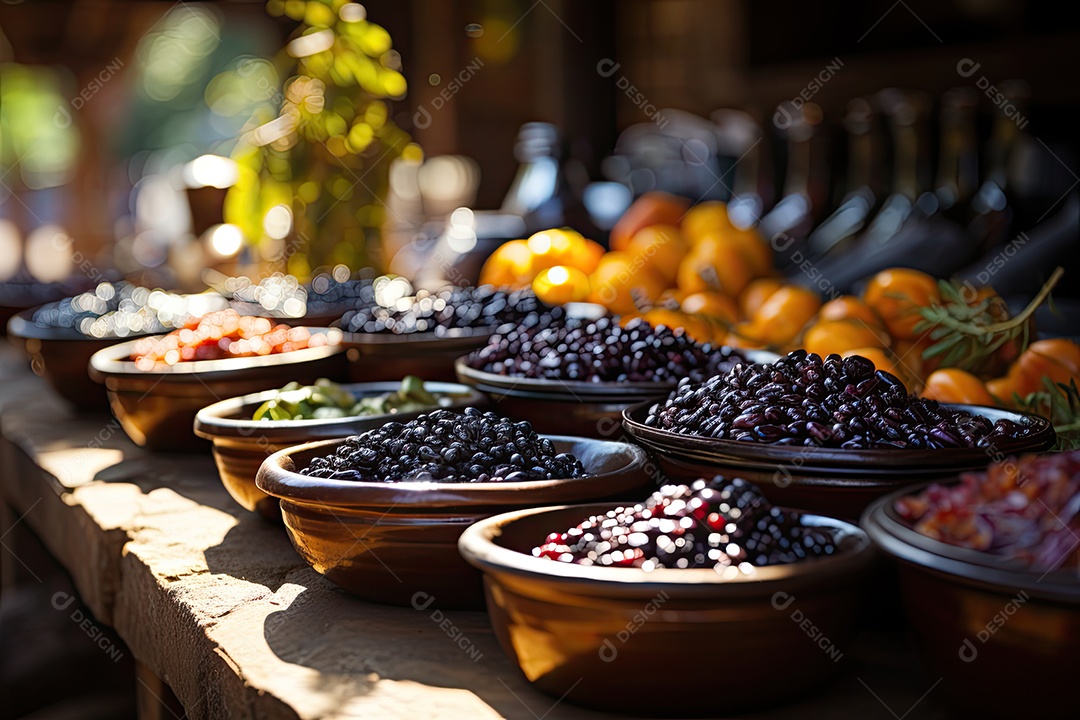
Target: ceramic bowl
{"x": 588, "y": 409}
{"x": 385, "y": 356}
{"x": 241, "y": 444}
{"x": 665, "y": 642}
{"x": 831, "y": 481}
{"x": 978, "y": 619}
{"x": 61, "y": 357}
{"x": 157, "y": 408}
{"x": 396, "y": 542}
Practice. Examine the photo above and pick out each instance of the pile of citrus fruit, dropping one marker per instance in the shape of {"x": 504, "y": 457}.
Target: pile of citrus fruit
{"x": 691, "y": 268}
{"x": 670, "y": 263}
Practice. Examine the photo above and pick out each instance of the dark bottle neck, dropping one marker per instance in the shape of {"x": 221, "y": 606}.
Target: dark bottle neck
{"x": 958, "y": 170}
{"x": 862, "y": 146}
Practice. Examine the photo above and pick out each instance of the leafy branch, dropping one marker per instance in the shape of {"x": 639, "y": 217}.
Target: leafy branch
{"x": 1059, "y": 403}
{"x": 966, "y": 336}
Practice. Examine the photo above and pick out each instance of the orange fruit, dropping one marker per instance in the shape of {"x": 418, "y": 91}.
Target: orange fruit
{"x": 713, "y": 305}
{"x": 587, "y": 256}
{"x": 672, "y": 297}
{"x": 652, "y": 208}
{"x": 561, "y": 284}
{"x": 848, "y": 307}
{"x": 756, "y": 251}
{"x": 782, "y": 317}
{"x": 554, "y": 247}
{"x": 705, "y": 219}
{"x": 619, "y": 277}
{"x": 1065, "y": 353}
{"x": 909, "y": 353}
{"x": 897, "y": 295}
{"x": 884, "y": 359}
{"x": 509, "y": 266}
{"x": 953, "y": 385}
{"x": 662, "y": 247}
{"x": 1003, "y": 390}
{"x": 697, "y": 328}
{"x": 756, "y": 293}
{"x": 714, "y": 264}
{"x": 1057, "y": 359}
{"x": 837, "y": 336}
{"x": 748, "y": 335}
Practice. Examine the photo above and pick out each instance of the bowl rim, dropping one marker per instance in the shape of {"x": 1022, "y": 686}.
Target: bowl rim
{"x": 424, "y": 338}
{"x": 970, "y": 567}
{"x": 276, "y": 479}
{"x": 112, "y": 361}
{"x": 563, "y": 397}
{"x": 477, "y": 545}
{"x": 60, "y": 290}
{"x": 21, "y": 325}
{"x": 213, "y": 421}
{"x": 810, "y": 457}
{"x": 631, "y": 389}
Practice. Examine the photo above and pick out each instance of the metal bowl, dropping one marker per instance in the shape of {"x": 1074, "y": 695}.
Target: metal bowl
{"x": 241, "y": 444}
{"x": 979, "y": 619}
{"x": 389, "y": 542}
{"x": 600, "y": 636}
{"x": 157, "y": 408}
{"x": 830, "y": 481}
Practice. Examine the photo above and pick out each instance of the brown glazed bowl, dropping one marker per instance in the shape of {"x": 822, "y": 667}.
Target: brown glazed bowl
{"x": 241, "y": 444}
{"x": 20, "y": 294}
{"x": 829, "y": 481}
{"x": 396, "y": 542}
{"x": 628, "y": 641}
{"x": 61, "y": 356}
{"x": 587, "y": 409}
{"x": 157, "y": 408}
{"x": 385, "y": 356}
{"x": 580, "y": 408}
{"x": 981, "y": 620}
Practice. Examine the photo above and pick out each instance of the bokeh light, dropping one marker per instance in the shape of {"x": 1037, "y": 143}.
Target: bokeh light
{"x": 211, "y": 171}
{"x": 226, "y": 240}
{"x": 49, "y": 253}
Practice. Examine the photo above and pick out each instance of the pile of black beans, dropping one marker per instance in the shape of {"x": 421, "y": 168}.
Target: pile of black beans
{"x": 600, "y": 350}
{"x": 444, "y": 446}
{"x": 328, "y": 296}
{"x": 724, "y": 524}
{"x": 451, "y": 311}
{"x": 803, "y": 399}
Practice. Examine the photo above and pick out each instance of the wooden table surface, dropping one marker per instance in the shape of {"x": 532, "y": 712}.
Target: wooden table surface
{"x": 217, "y": 604}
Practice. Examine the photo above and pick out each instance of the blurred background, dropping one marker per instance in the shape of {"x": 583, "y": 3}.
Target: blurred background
{"x": 157, "y": 140}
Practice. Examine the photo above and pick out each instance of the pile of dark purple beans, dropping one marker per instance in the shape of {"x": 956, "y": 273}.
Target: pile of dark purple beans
{"x": 327, "y": 296}
{"x": 559, "y": 348}
{"x": 454, "y": 311}
{"x": 804, "y": 400}
{"x": 716, "y": 523}
{"x": 444, "y": 446}
{"x": 284, "y": 296}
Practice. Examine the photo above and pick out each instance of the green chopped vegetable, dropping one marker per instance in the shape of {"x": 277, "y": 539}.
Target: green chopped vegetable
{"x": 326, "y": 399}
